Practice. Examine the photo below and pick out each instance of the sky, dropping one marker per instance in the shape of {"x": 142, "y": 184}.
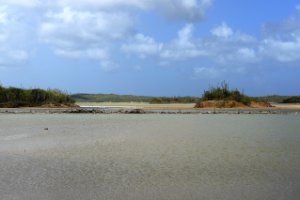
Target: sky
{"x": 151, "y": 47}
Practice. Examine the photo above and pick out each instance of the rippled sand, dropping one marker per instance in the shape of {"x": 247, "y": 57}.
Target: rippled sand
{"x": 149, "y": 157}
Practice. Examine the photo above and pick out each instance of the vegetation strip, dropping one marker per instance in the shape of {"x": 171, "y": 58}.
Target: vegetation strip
{"x": 13, "y": 97}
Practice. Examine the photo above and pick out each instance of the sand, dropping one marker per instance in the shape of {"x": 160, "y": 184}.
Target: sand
{"x": 163, "y": 157}
{"x": 287, "y": 106}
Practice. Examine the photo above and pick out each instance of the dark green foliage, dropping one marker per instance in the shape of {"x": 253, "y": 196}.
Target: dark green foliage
{"x": 109, "y": 98}
{"x": 225, "y": 94}
{"x": 167, "y": 100}
{"x": 295, "y": 99}
{"x": 32, "y": 97}
{"x": 272, "y": 98}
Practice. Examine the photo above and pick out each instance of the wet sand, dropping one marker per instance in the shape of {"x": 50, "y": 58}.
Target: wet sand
{"x": 149, "y": 157}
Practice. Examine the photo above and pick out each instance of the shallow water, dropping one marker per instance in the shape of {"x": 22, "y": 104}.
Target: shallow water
{"x": 149, "y": 157}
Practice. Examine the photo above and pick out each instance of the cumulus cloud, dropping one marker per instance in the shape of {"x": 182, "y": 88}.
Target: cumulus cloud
{"x": 185, "y": 46}
{"x": 191, "y": 10}
{"x": 72, "y": 28}
{"x": 230, "y": 47}
{"x": 237, "y": 49}
{"x": 107, "y": 4}
{"x": 143, "y": 46}
{"x": 12, "y": 48}
{"x": 93, "y": 53}
{"x": 282, "y": 50}
{"x": 84, "y": 34}
{"x": 185, "y": 36}
{"x": 26, "y": 3}
{"x": 181, "y": 48}
{"x": 222, "y": 31}
{"x": 282, "y": 40}
{"x": 79, "y": 27}
{"x": 92, "y": 29}
{"x": 3, "y": 15}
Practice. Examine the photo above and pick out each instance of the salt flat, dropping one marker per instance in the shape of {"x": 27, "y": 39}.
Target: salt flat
{"x": 86, "y": 156}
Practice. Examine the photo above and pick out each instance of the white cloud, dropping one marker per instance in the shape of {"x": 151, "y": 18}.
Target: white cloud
{"x": 106, "y": 4}
{"x": 184, "y": 46}
{"x": 246, "y": 54}
{"x": 222, "y": 31}
{"x": 3, "y": 15}
{"x": 143, "y": 46}
{"x": 280, "y": 50}
{"x": 3, "y": 23}
{"x": 231, "y": 48}
{"x": 12, "y": 44}
{"x": 240, "y": 48}
{"x": 181, "y": 48}
{"x": 282, "y": 41}
{"x": 190, "y": 10}
{"x": 185, "y": 36}
{"x": 98, "y": 29}
{"x": 92, "y": 28}
{"x": 86, "y": 26}
{"x": 93, "y": 53}
{"x": 26, "y": 3}
{"x": 85, "y": 34}
{"x": 238, "y": 56}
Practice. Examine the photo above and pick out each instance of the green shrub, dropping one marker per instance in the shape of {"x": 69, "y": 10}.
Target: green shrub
{"x": 225, "y": 94}
{"x": 167, "y": 100}
{"x": 32, "y": 97}
{"x": 295, "y": 99}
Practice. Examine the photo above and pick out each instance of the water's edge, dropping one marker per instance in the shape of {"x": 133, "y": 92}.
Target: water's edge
{"x": 126, "y": 110}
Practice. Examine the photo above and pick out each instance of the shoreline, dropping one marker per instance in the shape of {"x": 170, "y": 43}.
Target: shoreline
{"x": 153, "y": 110}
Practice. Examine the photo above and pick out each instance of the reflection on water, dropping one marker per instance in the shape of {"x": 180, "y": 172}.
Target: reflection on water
{"x": 149, "y": 156}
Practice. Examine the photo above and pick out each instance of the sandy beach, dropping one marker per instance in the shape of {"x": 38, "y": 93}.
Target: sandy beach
{"x": 168, "y": 157}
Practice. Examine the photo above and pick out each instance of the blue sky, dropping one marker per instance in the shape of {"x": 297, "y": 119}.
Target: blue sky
{"x": 151, "y": 47}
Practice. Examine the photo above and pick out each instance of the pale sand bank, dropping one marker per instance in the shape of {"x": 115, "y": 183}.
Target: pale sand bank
{"x": 286, "y": 106}
{"x": 144, "y": 105}
{"x": 141, "y": 105}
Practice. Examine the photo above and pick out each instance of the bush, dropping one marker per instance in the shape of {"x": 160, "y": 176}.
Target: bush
{"x": 295, "y": 99}
{"x": 225, "y": 94}
{"x": 32, "y": 97}
{"x": 168, "y": 100}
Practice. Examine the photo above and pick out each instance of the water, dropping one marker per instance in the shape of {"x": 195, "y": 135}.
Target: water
{"x": 149, "y": 157}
